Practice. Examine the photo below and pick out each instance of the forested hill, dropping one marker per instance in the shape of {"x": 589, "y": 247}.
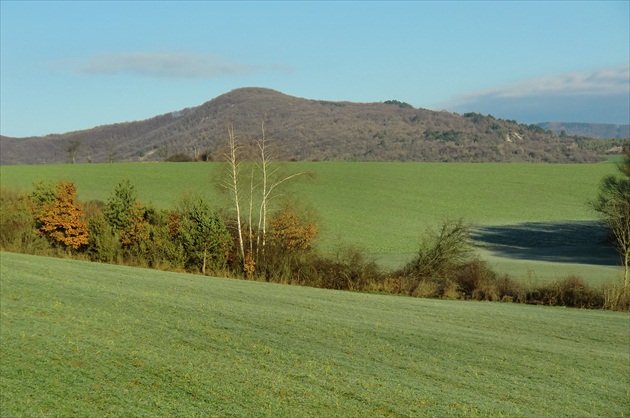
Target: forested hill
{"x": 302, "y": 129}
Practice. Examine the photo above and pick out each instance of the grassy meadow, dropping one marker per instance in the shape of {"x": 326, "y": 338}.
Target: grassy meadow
{"x": 533, "y": 219}
{"x": 87, "y": 339}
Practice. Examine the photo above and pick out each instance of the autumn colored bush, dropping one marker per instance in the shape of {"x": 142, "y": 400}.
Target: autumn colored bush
{"x": 283, "y": 253}
{"x": 288, "y": 232}
{"x": 61, "y": 220}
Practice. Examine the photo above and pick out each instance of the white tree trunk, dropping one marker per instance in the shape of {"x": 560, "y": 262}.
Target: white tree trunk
{"x": 233, "y": 162}
{"x": 262, "y": 220}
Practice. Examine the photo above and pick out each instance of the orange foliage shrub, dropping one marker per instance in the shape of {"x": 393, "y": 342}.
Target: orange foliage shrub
{"x": 287, "y": 231}
{"x": 62, "y": 220}
{"x": 249, "y": 266}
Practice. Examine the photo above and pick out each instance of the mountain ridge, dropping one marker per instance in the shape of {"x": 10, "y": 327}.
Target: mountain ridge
{"x": 590, "y": 130}
{"x": 306, "y": 130}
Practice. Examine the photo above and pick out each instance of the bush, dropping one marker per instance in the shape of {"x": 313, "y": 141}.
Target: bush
{"x": 616, "y": 297}
{"x": 349, "y": 270}
{"x": 442, "y": 251}
{"x": 441, "y": 255}
{"x": 126, "y": 216}
{"x": 17, "y": 226}
{"x": 477, "y": 281}
{"x": 179, "y": 158}
{"x": 284, "y": 253}
{"x": 289, "y": 233}
{"x": 62, "y": 220}
{"x": 571, "y": 291}
{"x": 426, "y": 289}
{"x": 202, "y": 234}
{"x": 103, "y": 246}
{"x": 162, "y": 251}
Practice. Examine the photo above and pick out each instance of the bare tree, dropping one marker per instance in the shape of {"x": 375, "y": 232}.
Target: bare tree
{"x": 263, "y": 184}
{"x": 270, "y": 181}
{"x": 234, "y": 167}
{"x": 72, "y": 146}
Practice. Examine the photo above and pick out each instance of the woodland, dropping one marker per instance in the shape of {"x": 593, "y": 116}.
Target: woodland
{"x": 311, "y": 130}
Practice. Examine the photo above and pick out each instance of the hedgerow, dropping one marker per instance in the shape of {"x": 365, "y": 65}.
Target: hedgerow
{"x": 199, "y": 239}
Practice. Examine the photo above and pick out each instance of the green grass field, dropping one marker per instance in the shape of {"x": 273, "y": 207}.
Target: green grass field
{"x": 383, "y": 208}
{"x": 87, "y": 339}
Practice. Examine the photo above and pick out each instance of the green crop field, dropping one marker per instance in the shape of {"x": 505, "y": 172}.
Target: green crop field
{"x": 87, "y": 339}
{"x": 533, "y": 219}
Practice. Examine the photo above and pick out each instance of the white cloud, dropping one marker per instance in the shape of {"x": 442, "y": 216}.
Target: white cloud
{"x": 170, "y": 65}
{"x": 591, "y": 96}
{"x": 607, "y": 81}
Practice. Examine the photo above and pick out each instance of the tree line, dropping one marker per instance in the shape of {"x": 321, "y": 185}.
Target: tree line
{"x": 196, "y": 238}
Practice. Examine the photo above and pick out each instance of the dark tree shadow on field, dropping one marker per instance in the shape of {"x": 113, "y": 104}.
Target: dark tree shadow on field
{"x": 581, "y": 242}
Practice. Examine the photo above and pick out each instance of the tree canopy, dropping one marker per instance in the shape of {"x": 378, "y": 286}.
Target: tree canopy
{"x": 613, "y": 204}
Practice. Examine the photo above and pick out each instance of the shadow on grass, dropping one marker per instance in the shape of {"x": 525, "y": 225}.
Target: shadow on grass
{"x": 582, "y": 242}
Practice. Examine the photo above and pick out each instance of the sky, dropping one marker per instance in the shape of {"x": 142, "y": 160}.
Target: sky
{"x": 66, "y": 66}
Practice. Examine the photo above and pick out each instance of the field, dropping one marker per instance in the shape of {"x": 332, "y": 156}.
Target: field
{"x": 532, "y": 220}
{"x": 86, "y": 339}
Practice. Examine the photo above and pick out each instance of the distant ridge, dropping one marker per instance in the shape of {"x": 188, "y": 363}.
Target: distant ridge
{"x": 304, "y": 130}
{"x": 591, "y": 130}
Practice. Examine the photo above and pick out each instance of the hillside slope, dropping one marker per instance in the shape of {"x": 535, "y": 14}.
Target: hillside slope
{"x": 308, "y": 130}
{"x": 86, "y": 339}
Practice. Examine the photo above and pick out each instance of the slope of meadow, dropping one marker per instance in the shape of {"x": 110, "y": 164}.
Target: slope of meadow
{"x": 533, "y": 219}
{"x": 97, "y": 340}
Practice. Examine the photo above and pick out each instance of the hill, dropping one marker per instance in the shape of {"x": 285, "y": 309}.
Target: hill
{"x": 590, "y": 130}
{"x": 304, "y": 130}
{"x": 87, "y": 339}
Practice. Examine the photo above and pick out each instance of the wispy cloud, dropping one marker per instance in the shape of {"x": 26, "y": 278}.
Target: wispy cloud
{"x": 544, "y": 97}
{"x": 179, "y": 65}
{"x": 599, "y": 82}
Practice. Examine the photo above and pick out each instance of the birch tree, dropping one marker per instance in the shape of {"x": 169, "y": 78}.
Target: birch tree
{"x": 270, "y": 181}
{"x": 264, "y": 181}
{"x": 234, "y": 169}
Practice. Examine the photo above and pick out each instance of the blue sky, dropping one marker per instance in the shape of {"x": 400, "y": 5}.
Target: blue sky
{"x": 74, "y": 65}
